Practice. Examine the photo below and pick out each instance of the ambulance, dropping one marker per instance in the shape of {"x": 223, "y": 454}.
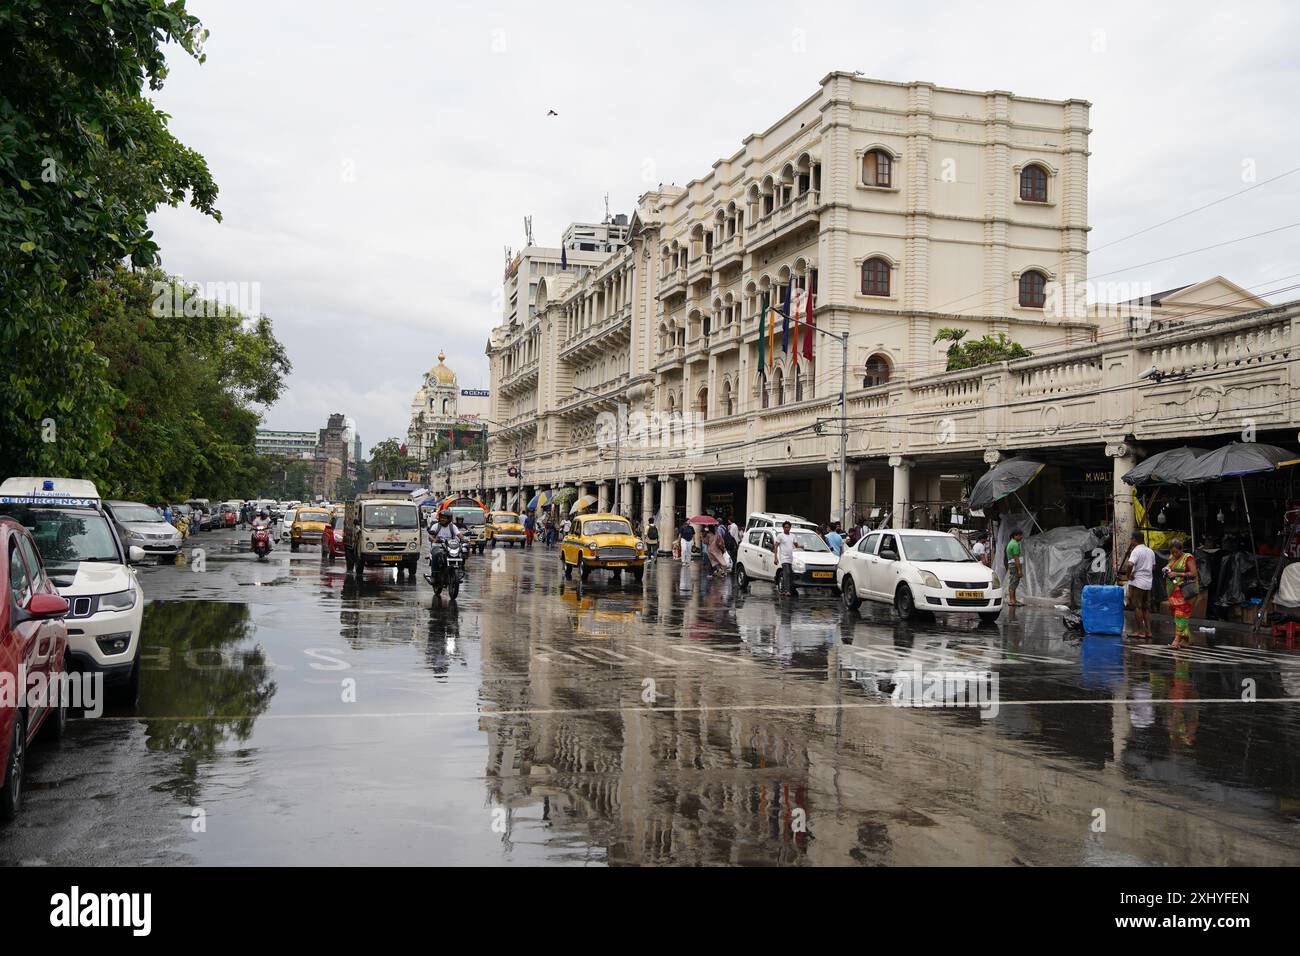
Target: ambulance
{"x": 92, "y": 569}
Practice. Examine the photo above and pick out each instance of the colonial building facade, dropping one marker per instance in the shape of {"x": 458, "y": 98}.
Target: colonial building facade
{"x": 899, "y": 210}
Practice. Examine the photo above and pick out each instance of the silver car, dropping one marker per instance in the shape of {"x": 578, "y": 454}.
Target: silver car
{"x": 143, "y": 526}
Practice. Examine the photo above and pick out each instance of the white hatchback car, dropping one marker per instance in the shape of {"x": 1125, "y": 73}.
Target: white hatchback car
{"x": 918, "y": 571}
{"x": 814, "y": 562}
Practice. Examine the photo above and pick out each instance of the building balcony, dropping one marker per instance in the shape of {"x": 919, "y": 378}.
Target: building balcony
{"x": 674, "y": 283}
{"x": 725, "y": 339}
{"x": 701, "y": 269}
{"x": 614, "y": 329}
{"x": 729, "y": 252}
{"x": 671, "y": 358}
{"x": 520, "y": 379}
{"x": 799, "y": 212}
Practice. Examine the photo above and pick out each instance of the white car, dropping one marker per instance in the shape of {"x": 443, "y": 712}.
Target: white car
{"x": 918, "y": 571}
{"x": 91, "y": 568}
{"x": 814, "y": 562}
{"x": 286, "y": 523}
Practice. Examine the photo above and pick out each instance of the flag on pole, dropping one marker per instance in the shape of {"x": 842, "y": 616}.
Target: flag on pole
{"x": 785, "y": 320}
{"x": 794, "y": 310}
{"x": 564, "y": 257}
{"x": 808, "y": 321}
{"x": 771, "y": 329}
{"x": 762, "y": 326}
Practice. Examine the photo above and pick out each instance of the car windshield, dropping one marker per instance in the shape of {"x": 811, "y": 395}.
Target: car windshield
{"x": 505, "y": 517}
{"x": 136, "y": 513}
{"x": 606, "y": 526}
{"x": 470, "y": 517}
{"x": 313, "y": 516}
{"x": 391, "y": 516}
{"x": 934, "y": 547}
{"x": 67, "y": 537}
{"x": 809, "y": 540}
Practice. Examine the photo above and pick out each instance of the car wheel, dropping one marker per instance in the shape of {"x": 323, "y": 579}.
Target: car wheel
{"x": 347, "y": 559}
{"x": 989, "y": 617}
{"x": 11, "y": 792}
{"x": 56, "y": 722}
{"x": 130, "y": 693}
{"x": 742, "y": 579}
{"x": 905, "y": 603}
{"x": 638, "y": 574}
{"x": 294, "y": 547}
{"x": 583, "y": 571}
{"x": 849, "y": 593}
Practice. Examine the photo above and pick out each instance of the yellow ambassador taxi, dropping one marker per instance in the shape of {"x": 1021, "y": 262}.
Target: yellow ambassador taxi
{"x": 308, "y": 526}
{"x": 505, "y": 527}
{"x": 605, "y": 542}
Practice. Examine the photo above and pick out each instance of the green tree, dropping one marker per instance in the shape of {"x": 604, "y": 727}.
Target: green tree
{"x": 388, "y": 461}
{"x": 85, "y": 157}
{"x": 982, "y": 351}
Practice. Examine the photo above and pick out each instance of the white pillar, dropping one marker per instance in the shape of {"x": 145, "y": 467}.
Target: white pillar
{"x": 902, "y": 490}
{"x": 667, "y": 511}
{"x": 1122, "y": 461}
{"x": 833, "y": 514}
{"x": 760, "y": 491}
{"x": 625, "y": 497}
{"x": 694, "y": 494}
{"x": 647, "y": 502}
{"x": 602, "y": 496}
{"x": 850, "y": 496}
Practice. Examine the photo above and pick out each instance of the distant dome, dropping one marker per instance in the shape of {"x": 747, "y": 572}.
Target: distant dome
{"x": 440, "y": 373}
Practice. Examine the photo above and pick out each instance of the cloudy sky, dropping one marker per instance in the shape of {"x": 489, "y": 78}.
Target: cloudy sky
{"x": 375, "y": 159}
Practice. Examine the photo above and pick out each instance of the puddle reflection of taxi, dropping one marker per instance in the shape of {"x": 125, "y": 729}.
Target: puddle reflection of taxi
{"x": 605, "y": 615}
{"x": 603, "y": 542}
{"x": 505, "y": 527}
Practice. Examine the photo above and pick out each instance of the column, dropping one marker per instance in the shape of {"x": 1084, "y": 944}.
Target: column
{"x": 850, "y": 496}
{"x": 647, "y": 502}
{"x": 694, "y": 494}
{"x": 1123, "y": 458}
{"x": 602, "y": 496}
{"x": 760, "y": 491}
{"x": 834, "y": 510}
{"x": 902, "y": 490}
{"x": 667, "y": 512}
{"x": 626, "y": 494}
{"x": 869, "y": 495}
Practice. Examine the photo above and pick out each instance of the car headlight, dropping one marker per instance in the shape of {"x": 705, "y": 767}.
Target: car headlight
{"x": 997, "y": 581}
{"x": 640, "y": 545}
{"x": 117, "y": 601}
{"x": 930, "y": 579}
{"x": 798, "y": 565}
{"x": 412, "y": 546}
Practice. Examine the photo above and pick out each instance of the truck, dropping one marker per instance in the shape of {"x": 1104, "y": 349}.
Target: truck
{"x": 382, "y": 531}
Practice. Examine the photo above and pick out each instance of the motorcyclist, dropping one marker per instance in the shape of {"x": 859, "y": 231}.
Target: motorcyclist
{"x": 262, "y": 522}
{"x": 441, "y": 530}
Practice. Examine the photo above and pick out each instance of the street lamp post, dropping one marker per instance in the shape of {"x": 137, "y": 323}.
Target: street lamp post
{"x": 618, "y": 445}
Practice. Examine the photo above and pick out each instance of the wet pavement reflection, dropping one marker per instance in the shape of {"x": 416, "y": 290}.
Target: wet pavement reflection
{"x": 291, "y": 713}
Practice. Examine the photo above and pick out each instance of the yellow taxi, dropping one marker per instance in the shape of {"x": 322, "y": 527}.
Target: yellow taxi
{"x": 309, "y": 523}
{"x": 505, "y": 526}
{"x": 604, "y": 542}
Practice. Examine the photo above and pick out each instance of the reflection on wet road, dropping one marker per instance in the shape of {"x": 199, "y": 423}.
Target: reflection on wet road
{"x": 292, "y": 714}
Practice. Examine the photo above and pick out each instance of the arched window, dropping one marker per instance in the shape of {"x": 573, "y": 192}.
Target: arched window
{"x": 778, "y": 387}
{"x": 702, "y": 403}
{"x": 875, "y": 276}
{"x": 727, "y": 407}
{"x": 798, "y": 385}
{"x": 877, "y": 169}
{"x": 1033, "y": 183}
{"x": 1033, "y": 289}
{"x": 762, "y": 389}
{"x": 876, "y": 371}
{"x": 444, "y": 406}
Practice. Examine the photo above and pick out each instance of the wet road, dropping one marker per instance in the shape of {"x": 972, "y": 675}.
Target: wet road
{"x": 290, "y": 714}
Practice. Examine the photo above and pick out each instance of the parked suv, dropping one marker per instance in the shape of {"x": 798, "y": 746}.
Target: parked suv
{"x": 918, "y": 571}
{"x": 145, "y": 527}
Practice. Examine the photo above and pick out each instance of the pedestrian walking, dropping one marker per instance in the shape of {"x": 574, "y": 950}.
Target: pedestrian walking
{"x": 1140, "y": 568}
{"x": 1015, "y": 567}
{"x": 687, "y": 536}
{"x": 1182, "y": 584}
{"x": 651, "y": 539}
{"x": 733, "y": 532}
{"x": 785, "y": 558}
{"x": 530, "y": 528}
{"x": 718, "y": 555}
{"x": 835, "y": 540}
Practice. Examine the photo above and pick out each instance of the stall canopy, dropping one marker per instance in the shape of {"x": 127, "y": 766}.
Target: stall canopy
{"x": 1003, "y": 479}
{"x": 1164, "y": 467}
{"x": 1236, "y": 460}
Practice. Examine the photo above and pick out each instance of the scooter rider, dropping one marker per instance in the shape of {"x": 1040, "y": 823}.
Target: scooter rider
{"x": 440, "y": 531}
{"x": 262, "y": 522}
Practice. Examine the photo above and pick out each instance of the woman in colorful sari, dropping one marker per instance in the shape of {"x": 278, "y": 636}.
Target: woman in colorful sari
{"x": 1181, "y": 585}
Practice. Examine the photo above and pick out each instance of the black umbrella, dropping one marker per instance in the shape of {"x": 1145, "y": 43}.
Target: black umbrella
{"x": 1237, "y": 459}
{"x": 1005, "y": 478}
{"x": 1167, "y": 467}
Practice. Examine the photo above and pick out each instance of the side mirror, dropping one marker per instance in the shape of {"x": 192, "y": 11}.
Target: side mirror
{"x": 135, "y": 555}
{"x": 46, "y": 606}
{"x": 889, "y": 555}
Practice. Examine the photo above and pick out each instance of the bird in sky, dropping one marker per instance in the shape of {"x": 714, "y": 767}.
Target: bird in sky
{"x": 552, "y": 113}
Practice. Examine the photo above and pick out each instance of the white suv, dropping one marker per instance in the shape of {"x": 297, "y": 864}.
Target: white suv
{"x": 814, "y": 562}
{"x": 91, "y": 568}
{"x": 918, "y": 571}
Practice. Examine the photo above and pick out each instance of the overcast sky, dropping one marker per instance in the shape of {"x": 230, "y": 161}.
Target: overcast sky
{"x": 375, "y": 159}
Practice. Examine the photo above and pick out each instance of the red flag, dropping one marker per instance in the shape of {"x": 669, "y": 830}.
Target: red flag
{"x": 808, "y": 320}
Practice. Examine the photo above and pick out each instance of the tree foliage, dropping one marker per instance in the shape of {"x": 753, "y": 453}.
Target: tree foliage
{"x": 388, "y": 462}
{"x": 982, "y": 351}
{"x": 85, "y": 157}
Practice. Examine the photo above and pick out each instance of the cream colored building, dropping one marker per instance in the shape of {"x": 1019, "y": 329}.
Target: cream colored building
{"x": 439, "y": 406}
{"x": 905, "y": 208}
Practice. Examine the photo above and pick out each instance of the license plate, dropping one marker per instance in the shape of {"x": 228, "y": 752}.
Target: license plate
{"x": 616, "y": 564}
{"x": 392, "y": 557}
{"x": 823, "y": 574}
{"x": 970, "y": 594}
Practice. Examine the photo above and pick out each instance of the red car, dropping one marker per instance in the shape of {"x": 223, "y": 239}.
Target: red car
{"x": 33, "y": 639}
{"x": 331, "y": 539}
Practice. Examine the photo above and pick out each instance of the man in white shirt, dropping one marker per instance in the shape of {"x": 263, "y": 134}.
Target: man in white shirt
{"x": 1141, "y": 565}
{"x": 980, "y": 549}
{"x": 785, "y": 558}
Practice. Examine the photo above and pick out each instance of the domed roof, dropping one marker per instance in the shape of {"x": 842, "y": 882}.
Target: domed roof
{"x": 440, "y": 373}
